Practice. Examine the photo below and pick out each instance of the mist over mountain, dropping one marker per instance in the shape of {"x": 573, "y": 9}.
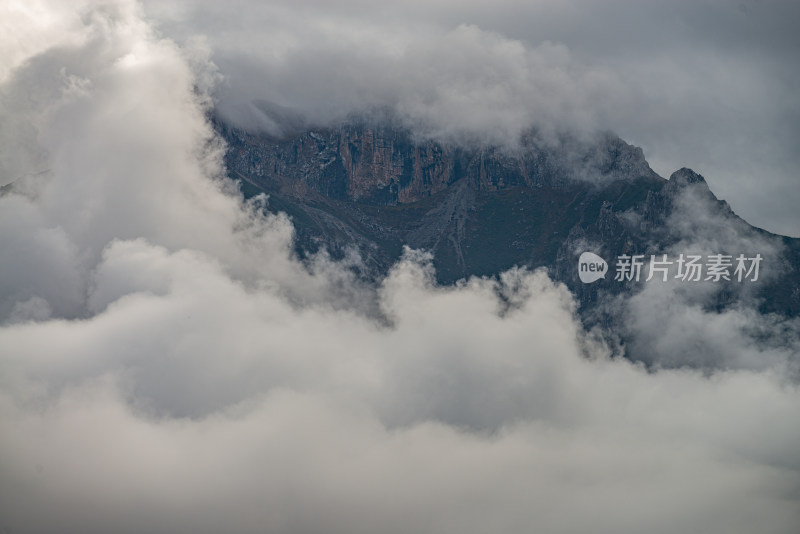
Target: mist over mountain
{"x": 313, "y": 267}
{"x": 707, "y": 85}
{"x": 371, "y": 187}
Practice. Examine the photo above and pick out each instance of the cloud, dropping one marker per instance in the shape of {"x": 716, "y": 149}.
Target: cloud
{"x": 167, "y": 365}
{"x": 457, "y": 84}
{"x": 708, "y": 85}
{"x": 204, "y": 407}
{"x": 708, "y": 324}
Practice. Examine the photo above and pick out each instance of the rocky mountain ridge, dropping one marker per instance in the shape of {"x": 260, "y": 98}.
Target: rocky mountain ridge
{"x": 481, "y": 210}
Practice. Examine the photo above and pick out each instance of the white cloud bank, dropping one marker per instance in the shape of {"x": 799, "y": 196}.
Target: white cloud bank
{"x": 166, "y": 366}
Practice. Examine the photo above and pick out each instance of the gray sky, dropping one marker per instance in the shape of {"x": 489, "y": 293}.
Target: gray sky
{"x": 705, "y": 84}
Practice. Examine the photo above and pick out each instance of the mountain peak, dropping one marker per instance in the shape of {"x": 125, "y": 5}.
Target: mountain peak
{"x": 685, "y": 176}
{"x": 479, "y": 210}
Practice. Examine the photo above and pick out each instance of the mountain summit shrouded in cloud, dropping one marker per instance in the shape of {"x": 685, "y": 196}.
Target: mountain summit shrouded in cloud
{"x": 369, "y": 188}
{"x": 709, "y": 85}
{"x": 168, "y": 364}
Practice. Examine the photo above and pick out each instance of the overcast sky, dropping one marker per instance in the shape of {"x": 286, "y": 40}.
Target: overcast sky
{"x": 706, "y": 84}
{"x": 167, "y": 364}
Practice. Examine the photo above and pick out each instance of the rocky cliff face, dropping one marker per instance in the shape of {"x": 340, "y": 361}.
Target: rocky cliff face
{"x": 375, "y": 188}
{"x": 385, "y": 166}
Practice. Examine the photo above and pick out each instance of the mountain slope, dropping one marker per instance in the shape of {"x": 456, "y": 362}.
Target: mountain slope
{"x": 482, "y": 210}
